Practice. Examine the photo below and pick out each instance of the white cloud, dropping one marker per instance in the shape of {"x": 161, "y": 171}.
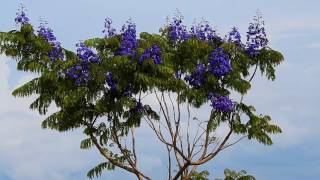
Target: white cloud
{"x": 29, "y": 152}
{"x": 8, "y": 102}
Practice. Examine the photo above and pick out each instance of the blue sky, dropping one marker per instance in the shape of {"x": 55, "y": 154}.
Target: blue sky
{"x": 293, "y": 26}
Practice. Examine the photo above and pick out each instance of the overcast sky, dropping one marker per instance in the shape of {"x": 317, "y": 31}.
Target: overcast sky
{"x": 293, "y": 27}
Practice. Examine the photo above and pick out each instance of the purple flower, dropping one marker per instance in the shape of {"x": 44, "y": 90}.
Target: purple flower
{"x": 256, "y": 37}
{"x": 128, "y": 42}
{"x": 21, "y": 17}
{"x": 80, "y": 72}
{"x": 197, "y": 79}
{"x": 178, "y": 74}
{"x": 47, "y": 34}
{"x": 110, "y": 82}
{"x": 86, "y": 54}
{"x": 252, "y": 50}
{"x": 56, "y": 52}
{"x": 219, "y": 64}
{"x": 154, "y": 53}
{"x": 109, "y": 31}
{"x": 234, "y": 36}
{"x": 203, "y": 31}
{"x": 221, "y": 103}
{"x": 176, "y": 31}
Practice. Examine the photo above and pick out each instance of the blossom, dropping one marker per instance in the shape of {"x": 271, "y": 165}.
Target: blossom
{"x": 46, "y": 33}
{"x": 56, "y": 52}
{"x": 178, "y": 74}
{"x": 80, "y": 72}
{"x": 256, "y": 37}
{"x": 197, "y": 79}
{"x": 21, "y": 17}
{"x": 109, "y": 31}
{"x": 203, "y": 31}
{"x": 234, "y": 36}
{"x": 86, "y": 54}
{"x": 252, "y": 50}
{"x": 128, "y": 42}
{"x": 219, "y": 64}
{"x": 176, "y": 31}
{"x": 154, "y": 53}
{"x": 221, "y": 103}
{"x": 110, "y": 81}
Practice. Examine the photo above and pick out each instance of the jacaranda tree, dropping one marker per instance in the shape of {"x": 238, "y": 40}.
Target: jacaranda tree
{"x": 113, "y": 84}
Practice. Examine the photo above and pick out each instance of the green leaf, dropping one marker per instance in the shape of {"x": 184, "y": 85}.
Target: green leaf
{"x": 97, "y": 171}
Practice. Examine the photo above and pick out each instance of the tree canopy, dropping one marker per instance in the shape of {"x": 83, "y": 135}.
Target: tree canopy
{"x": 102, "y": 86}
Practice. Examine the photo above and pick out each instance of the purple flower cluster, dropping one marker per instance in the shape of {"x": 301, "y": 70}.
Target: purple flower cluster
{"x": 197, "y": 79}
{"x": 110, "y": 82}
{"x": 256, "y": 37}
{"x": 46, "y": 33}
{"x": 21, "y": 17}
{"x": 203, "y": 31}
{"x": 80, "y": 72}
{"x": 176, "y": 31}
{"x": 221, "y": 103}
{"x": 86, "y": 54}
{"x": 234, "y": 36}
{"x": 109, "y": 31}
{"x": 154, "y": 53}
{"x": 128, "y": 42}
{"x": 219, "y": 64}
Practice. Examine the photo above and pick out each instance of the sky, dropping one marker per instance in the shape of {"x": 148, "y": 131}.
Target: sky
{"x": 292, "y": 100}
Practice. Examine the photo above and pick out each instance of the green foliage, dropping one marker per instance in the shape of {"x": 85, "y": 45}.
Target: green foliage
{"x": 233, "y": 175}
{"x": 86, "y": 143}
{"x": 228, "y": 173}
{"x": 257, "y": 127}
{"x": 203, "y": 175}
{"x": 97, "y": 171}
